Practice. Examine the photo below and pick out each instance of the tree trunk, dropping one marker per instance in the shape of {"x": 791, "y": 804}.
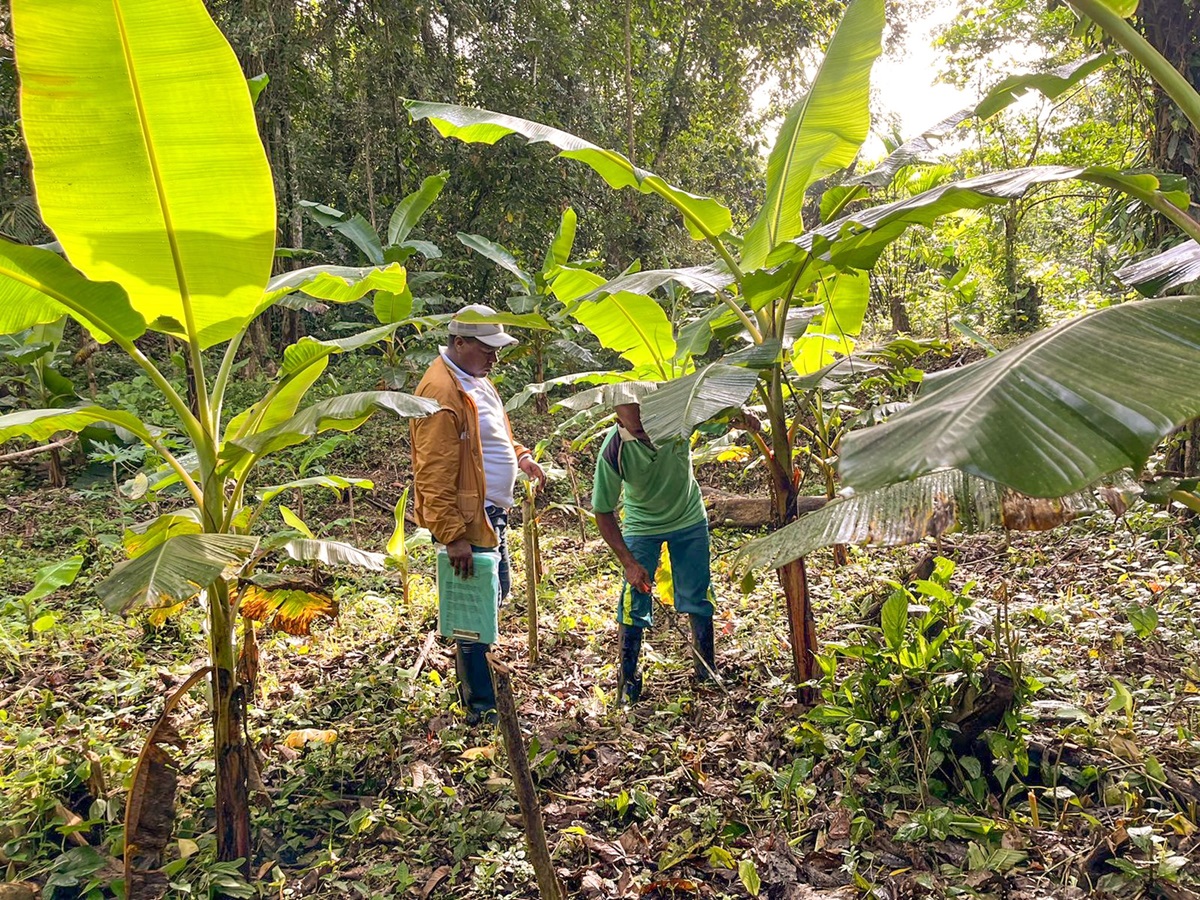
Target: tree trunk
{"x": 229, "y": 733}
{"x": 793, "y": 577}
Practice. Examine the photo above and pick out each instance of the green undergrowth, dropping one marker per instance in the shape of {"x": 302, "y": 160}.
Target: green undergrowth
{"x": 373, "y": 786}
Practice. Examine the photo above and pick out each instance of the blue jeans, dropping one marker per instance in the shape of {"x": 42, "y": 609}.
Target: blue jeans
{"x": 690, "y": 570}
{"x": 475, "y": 678}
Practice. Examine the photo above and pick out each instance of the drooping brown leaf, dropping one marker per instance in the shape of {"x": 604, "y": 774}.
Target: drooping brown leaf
{"x": 150, "y": 806}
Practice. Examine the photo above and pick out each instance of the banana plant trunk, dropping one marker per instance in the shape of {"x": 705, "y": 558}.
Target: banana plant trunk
{"x": 793, "y": 577}
{"x": 229, "y": 733}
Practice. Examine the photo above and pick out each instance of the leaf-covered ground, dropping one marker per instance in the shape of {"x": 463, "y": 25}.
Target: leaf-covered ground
{"x": 372, "y": 785}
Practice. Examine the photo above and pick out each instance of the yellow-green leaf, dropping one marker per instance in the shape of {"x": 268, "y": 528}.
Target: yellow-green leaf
{"x": 146, "y": 157}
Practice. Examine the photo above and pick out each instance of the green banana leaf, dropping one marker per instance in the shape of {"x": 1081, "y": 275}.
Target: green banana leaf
{"x": 856, "y": 240}
{"x": 339, "y": 284}
{"x": 145, "y": 536}
{"x": 560, "y": 247}
{"x": 39, "y": 286}
{"x": 679, "y": 406}
{"x": 822, "y": 133}
{"x": 527, "y": 393}
{"x": 173, "y": 571}
{"x": 704, "y": 216}
{"x": 842, "y": 300}
{"x": 147, "y": 160}
{"x": 335, "y": 483}
{"x": 709, "y": 279}
{"x": 929, "y": 506}
{"x": 1051, "y": 415}
{"x": 1051, "y": 85}
{"x": 344, "y": 413}
{"x": 499, "y": 255}
{"x": 1174, "y": 268}
{"x": 390, "y": 308}
{"x": 634, "y": 326}
{"x": 308, "y": 350}
{"x": 409, "y": 210}
{"x": 43, "y": 424}
{"x": 608, "y": 395}
{"x": 52, "y": 577}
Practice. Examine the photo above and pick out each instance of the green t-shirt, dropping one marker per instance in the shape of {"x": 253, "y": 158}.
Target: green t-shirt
{"x": 661, "y": 493}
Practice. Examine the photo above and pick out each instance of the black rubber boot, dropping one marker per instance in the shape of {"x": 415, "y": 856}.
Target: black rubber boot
{"x": 702, "y": 641}
{"x": 629, "y": 682}
{"x": 475, "y": 688}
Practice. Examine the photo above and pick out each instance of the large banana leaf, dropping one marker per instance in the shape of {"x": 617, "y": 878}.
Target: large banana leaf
{"x": 527, "y": 393}
{"x": 704, "y": 216}
{"x": 677, "y": 407}
{"x": 43, "y": 424}
{"x": 634, "y": 326}
{"x": 344, "y": 413}
{"x": 856, "y": 240}
{"x": 608, "y": 395}
{"x": 145, "y": 536}
{"x": 1165, "y": 271}
{"x": 1052, "y": 415}
{"x": 39, "y": 286}
{"x": 173, "y": 571}
{"x": 278, "y": 405}
{"x": 822, "y": 133}
{"x": 147, "y": 160}
{"x": 303, "y": 363}
{"x": 929, "y": 506}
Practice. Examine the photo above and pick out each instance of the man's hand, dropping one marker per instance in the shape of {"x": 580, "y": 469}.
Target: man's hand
{"x": 461, "y": 558}
{"x": 636, "y": 575}
{"x": 532, "y": 470}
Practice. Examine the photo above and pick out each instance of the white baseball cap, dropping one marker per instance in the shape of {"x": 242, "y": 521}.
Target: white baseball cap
{"x": 490, "y": 333}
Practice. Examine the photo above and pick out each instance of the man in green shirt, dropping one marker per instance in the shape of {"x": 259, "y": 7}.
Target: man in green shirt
{"x": 662, "y": 505}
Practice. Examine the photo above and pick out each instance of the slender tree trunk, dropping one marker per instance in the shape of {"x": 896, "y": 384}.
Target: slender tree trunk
{"x": 793, "y": 577}
{"x": 229, "y": 735}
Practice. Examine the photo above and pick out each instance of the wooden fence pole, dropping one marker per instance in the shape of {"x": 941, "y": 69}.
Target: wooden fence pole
{"x": 518, "y": 764}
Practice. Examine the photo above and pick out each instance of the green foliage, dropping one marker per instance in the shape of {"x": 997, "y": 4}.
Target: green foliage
{"x": 896, "y": 700}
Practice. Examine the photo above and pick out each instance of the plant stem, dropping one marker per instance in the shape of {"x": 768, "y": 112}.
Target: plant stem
{"x": 222, "y": 379}
{"x": 1168, "y": 77}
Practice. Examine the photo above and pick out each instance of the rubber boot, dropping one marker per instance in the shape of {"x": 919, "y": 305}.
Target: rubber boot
{"x": 475, "y": 688}
{"x": 702, "y": 642}
{"x": 629, "y": 682}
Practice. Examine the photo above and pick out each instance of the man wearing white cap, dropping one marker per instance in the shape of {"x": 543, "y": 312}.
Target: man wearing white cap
{"x": 465, "y": 463}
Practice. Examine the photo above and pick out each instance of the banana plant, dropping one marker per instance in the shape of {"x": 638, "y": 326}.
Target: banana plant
{"x": 797, "y": 295}
{"x": 151, "y": 174}
{"x": 533, "y": 292}
{"x": 394, "y": 246}
{"x": 38, "y": 381}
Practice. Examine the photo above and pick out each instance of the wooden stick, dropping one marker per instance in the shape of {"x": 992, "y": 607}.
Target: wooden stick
{"x": 34, "y": 451}
{"x": 532, "y": 575}
{"x": 518, "y": 763}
